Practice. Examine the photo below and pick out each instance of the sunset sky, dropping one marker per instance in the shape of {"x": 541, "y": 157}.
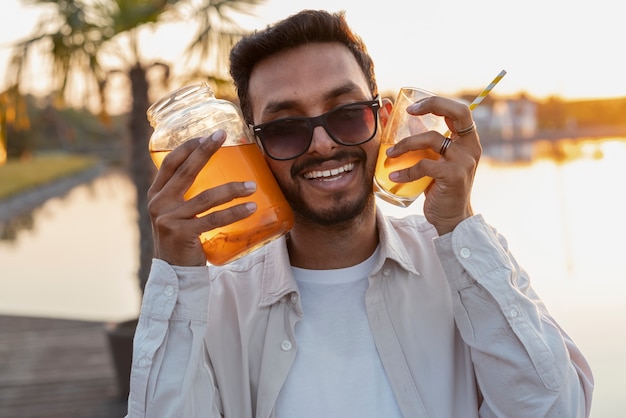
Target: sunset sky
{"x": 548, "y": 47}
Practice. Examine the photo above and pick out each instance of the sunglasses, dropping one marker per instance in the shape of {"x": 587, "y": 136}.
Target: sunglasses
{"x": 349, "y": 124}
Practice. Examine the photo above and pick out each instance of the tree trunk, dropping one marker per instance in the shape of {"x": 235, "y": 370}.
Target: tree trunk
{"x": 142, "y": 169}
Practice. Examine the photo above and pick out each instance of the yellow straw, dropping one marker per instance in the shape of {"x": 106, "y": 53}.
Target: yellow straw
{"x": 484, "y": 93}
{"x": 487, "y": 89}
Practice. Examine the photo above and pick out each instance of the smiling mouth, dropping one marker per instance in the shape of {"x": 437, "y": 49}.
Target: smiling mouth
{"x": 328, "y": 174}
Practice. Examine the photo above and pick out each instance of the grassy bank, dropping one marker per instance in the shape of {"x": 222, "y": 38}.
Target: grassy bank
{"x": 19, "y": 176}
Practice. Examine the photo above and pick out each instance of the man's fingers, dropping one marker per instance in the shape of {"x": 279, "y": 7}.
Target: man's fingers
{"x": 220, "y": 218}
{"x": 181, "y": 166}
{"x": 425, "y": 140}
{"x": 216, "y": 196}
{"x": 178, "y": 224}
{"x": 457, "y": 114}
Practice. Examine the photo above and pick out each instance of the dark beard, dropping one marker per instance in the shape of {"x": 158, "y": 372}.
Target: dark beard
{"x": 342, "y": 211}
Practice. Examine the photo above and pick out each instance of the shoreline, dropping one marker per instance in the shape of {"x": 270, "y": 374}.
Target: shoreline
{"x": 25, "y": 202}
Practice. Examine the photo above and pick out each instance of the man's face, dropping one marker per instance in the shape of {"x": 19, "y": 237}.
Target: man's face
{"x": 330, "y": 183}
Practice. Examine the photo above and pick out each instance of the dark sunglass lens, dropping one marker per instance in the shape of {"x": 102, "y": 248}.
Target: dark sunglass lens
{"x": 352, "y": 124}
{"x": 285, "y": 139}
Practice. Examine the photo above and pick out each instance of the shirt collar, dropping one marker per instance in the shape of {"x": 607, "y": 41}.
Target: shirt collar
{"x": 277, "y": 280}
{"x": 391, "y": 244}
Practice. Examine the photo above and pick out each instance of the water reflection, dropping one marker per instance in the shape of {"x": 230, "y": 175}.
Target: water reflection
{"x": 78, "y": 258}
{"x": 17, "y": 214}
{"x": 9, "y": 230}
{"x": 563, "y": 218}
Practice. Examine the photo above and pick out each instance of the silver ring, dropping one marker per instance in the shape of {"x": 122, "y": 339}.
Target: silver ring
{"x": 444, "y": 146}
{"x": 467, "y": 130}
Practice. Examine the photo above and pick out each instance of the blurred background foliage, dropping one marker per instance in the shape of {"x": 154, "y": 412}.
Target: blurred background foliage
{"x": 87, "y": 45}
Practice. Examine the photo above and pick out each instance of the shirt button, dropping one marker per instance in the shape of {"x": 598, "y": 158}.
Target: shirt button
{"x": 143, "y": 362}
{"x": 168, "y": 291}
{"x": 465, "y": 252}
{"x": 387, "y": 272}
{"x": 286, "y": 345}
{"x": 294, "y": 297}
{"x": 514, "y": 312}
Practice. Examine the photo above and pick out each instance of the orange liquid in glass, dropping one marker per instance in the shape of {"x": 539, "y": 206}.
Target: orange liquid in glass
{"x": 386, "y": 165}
{"x": 272, "y": 218}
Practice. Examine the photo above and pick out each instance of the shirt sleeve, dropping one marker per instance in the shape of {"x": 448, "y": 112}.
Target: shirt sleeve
{"x": 170, "y": 377}
{"x": 526, "y": 365}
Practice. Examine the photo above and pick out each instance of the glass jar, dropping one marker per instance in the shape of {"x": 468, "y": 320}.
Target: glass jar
{"x": 192, "y": 112}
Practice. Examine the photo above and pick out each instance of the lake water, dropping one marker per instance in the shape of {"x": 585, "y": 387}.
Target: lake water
{"x": 563, "y": 219}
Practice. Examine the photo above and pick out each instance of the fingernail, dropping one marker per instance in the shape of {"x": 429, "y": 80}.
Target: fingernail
{"x": 249, "y": 185}
{"x": 394, "y": 176}
{"x": 389, "y": 150}
{"x": 251, "y": 206}
{"x": 415, "y": 107}
{"x": 218, "y": 135}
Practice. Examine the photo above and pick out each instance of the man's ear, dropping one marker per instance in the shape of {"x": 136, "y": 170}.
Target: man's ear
{"x": 385, "y": 111}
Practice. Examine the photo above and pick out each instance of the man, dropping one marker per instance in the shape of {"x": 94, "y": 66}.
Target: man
{"x": 352, "y": 314}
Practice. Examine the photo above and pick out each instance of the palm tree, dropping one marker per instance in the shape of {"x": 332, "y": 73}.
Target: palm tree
{"x": 91, "y": 41}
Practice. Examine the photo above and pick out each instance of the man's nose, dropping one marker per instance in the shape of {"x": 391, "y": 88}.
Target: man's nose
{"x": 322, "y": 143}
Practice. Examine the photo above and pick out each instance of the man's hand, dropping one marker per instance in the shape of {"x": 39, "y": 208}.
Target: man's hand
{"x": 175, "y": 225}
{"x": 448, "y": 196}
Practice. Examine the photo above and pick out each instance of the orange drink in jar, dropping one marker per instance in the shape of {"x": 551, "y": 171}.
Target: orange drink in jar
{"x": 272, "y": 218}
{"x": 192, "y": 112}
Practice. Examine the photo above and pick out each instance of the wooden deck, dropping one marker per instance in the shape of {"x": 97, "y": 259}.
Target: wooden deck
{"x": 56, "y": 368}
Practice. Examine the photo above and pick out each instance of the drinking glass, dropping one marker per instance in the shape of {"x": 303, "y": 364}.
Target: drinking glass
{"x": 401, "y": 125}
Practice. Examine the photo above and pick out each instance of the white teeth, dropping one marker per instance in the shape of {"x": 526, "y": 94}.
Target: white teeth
{"x": 328, "y": 173}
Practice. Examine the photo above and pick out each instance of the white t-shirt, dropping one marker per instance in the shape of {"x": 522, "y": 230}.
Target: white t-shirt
{"x": 337, "y": 371}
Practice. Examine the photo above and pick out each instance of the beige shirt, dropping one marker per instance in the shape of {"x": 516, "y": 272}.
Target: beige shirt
{"x": 458, "y": 328}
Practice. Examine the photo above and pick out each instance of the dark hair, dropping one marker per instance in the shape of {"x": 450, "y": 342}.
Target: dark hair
{"x": 302, "y": 28}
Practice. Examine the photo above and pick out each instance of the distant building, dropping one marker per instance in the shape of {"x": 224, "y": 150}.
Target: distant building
{"x": 514, "y": 118}
{"x": 504, "y": 122}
